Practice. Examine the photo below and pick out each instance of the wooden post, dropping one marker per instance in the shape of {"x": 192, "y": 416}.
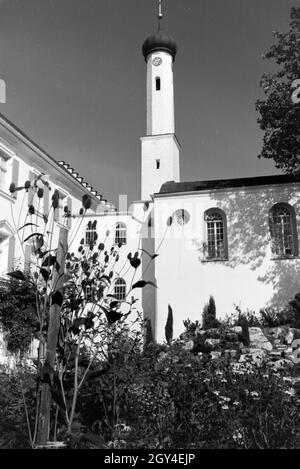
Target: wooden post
{"x": 52, "y": 337}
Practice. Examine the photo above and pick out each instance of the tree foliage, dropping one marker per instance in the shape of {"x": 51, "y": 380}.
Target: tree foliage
{"x": 279, "y": 116}
{"x": 209, "y": 314}
{"x": 18, "y": 314}
{"x": 169, "y": 325}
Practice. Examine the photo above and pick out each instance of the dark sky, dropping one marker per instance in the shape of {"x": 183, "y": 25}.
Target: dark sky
{"x": 76, "y": 82}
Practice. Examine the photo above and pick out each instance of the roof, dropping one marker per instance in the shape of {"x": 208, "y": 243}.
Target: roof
{"x": 159, "y": 42}
{"x": 172, "y": 187}
{"x": 62, "y": 165}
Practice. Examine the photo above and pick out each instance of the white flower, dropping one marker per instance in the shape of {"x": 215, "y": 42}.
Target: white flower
{"x": 290, "y": 392}
{"x": 225, "y": 407}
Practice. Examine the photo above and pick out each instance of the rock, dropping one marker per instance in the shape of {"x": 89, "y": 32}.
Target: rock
{"x": 275, "y": 355}
{"x": 296, "y": 332}
{"x": 258, "y": 340}
{"x": 257, "y": 355}
{"x": 189, "y": 345}
{"x": 213, "y": 333}
{"x": 242, "y": 358}
{"x": 288, "y": 352}
{"x": 281, "y": 364}
{"x": 232, "y": 337}
{"x": 230, "y": 353}
{"x": 212, "y": 342}
{"x": 281, "y": 348}
{"x": 215, "y": 355}
{"x": 288, "y": 338}
{"x": 274, "y": 332}
{"x": 236, "y": 329}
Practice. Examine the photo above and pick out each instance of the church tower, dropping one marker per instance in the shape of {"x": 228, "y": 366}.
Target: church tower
{"x": 160, "y": 147}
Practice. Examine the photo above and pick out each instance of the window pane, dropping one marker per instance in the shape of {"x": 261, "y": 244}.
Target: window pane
{"x": 120, "y": 289}
{"x": 281, "y": 231}
{"x": 120, "y": 236}
{"x": 215, "y": 235}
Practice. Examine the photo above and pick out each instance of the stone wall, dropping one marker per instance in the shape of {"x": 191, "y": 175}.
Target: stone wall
{"x": 278, "y": 347}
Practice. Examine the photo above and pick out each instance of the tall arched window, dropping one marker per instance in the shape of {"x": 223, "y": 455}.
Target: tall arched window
{"x": 120, "y": 236}
{"x": 91, "y": 233}
{"x": 216, "y": 234}
{"x": 283, "y": 230}
{"x": 120, "y": 289}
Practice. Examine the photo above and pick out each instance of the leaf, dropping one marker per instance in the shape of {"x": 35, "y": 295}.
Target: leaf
{"x": 142, "y": 284}
{"x": 27, "y": 224}
{"x": 32, "y": 235}
{"x": 50, "y": 260}
{"x": 111, "y": 315}
{"x": 18, "y": 275}
{"x": 105, "y": 277}
{"x": 139, "y": 284}
{"x": 135, "y": 262}
{"x": 169, "y": 221}
{"x": 86, "y": 201}
{"x": 45, "y": 273}
{"x": 57, "y": 298}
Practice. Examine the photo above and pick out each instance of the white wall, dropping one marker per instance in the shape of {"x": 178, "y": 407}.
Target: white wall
{"x": 251, "y": 278}
{"x": 160, "y": 103}
{"x": 164, "y": 148}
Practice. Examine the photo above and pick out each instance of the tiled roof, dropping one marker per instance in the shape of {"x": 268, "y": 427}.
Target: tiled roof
{"x": 172, "y": 187}
{"x": 61, "y": 164}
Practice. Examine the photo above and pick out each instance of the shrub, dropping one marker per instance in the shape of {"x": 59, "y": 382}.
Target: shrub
{"x": 169, "y": 325}
{"x": 243, "y": 322}
{"x": 181, "y": 401}
{"x": 209, "y": 315}
{"x": 13, "y": 425}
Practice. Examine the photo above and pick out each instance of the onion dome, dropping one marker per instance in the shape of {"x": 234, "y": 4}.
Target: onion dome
{"x": 159, "y": 42}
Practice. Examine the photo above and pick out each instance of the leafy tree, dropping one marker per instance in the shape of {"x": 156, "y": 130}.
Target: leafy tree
{"x": 280, "y": 115}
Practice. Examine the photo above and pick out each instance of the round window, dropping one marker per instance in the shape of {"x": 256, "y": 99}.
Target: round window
{"x": 182, "y": 217}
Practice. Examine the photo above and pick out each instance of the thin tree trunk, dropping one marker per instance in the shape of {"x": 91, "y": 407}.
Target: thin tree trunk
{"x": 52, "y": 336}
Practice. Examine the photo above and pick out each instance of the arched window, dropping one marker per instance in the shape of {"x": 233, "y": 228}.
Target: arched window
{"x": 120, "y": 236}
{"x": 283, "y": 230}
{"x": 120, "y": 289}
{"x": 216, "y": 234}
{"x": 91, "y": 233}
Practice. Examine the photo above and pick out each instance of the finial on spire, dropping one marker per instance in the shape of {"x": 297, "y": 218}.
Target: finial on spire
{"x": 160, "y": 14}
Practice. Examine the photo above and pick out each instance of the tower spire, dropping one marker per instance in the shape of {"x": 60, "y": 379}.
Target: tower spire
{"x": 160, "y": 14}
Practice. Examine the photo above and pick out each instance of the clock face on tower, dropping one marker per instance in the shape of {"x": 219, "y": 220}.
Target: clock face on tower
{"x": 157, "y": 61}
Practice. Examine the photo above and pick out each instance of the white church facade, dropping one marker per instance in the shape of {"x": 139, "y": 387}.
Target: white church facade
{"x": 237, "y": 240}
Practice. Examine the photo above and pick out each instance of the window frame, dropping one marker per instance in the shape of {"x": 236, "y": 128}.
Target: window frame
{"x": 223, "y": 219}
{"x": 293, "y": 235}
{"x": 91, "y": 230}
{"x": 4, "y": 170}
{"x": 120, "y": 284}
{"x": 120, "y": 239}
